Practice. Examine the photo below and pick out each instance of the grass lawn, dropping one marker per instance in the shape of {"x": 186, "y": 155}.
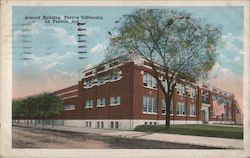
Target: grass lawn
{"x": 197, "y": 130}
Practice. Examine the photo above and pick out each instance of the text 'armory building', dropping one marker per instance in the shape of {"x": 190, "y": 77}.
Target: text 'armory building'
{"x": 122, "y": 95}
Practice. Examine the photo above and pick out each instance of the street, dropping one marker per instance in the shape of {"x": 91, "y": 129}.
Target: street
{"x": 23, "y": 137}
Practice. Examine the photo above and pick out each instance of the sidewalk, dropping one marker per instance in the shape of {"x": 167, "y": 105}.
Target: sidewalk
{"x": 173, "y": 138}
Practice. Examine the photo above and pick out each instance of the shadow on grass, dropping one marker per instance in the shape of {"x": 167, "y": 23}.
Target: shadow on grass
{"x": 196, "y": 130}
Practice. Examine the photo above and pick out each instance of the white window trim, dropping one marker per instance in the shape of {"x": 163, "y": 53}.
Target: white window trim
{"x": 89, "y": 107}
{"x": 150, "y": 113}
{"x": 114, "y": 104}
{"x": 180, "y": 115}
{"x": 72, "y": 109}
{"x": 192, "y": 115}
{"x": 170, "y": 114}
{"x": 74, "y": 96}
{"x": 100, "y": 106}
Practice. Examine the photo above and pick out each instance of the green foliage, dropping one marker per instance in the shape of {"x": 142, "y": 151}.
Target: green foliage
{"x": 197, "y": 130}
{"x": 37, "y": 106}
{"x": 181, "y": 43}
{"x": 184, "y": 46}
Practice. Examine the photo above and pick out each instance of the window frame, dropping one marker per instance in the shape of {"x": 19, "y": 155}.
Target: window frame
{"x": 193, "y": 109}
{"x": 72, "y": 107}
{"x": 151, "y": 105}
{"x": 149, "y": 81}
{"x": 88, "y": 102}
{"x": 183, "y": 109}
{"x": 171, "y": 107}
{"x": 115, "y": 104}
{"x": 98, "y": 102}
{"x": 180, "y": 89}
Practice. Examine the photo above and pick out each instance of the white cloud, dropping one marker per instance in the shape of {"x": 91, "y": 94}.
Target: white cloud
{"x": 34, "y": 27}
{"x": 37, "y": 28}
{"x": 62, "y": 35}
{"x": 236, "y": 59}
{"x": 44, "y": 63}
{"x": 92, "y": 30}
{"x": 230, "y": 40}
{"x": 98, "y": 48}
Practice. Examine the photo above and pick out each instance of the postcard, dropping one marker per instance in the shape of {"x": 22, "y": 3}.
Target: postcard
{"x": 124, "y": 79}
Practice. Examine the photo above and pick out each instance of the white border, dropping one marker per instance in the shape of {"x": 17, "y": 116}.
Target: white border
{"x": 6, "y": 87}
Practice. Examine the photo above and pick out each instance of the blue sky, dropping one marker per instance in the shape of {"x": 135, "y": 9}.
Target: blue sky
{"x": 54, "y": 60}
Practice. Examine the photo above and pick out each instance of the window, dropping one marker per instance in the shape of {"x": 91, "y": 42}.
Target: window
{"x": 155, "y": 123}
{"x": 229, "y": 102}
{"x": 205, "y": 98}
{"x": 116, "y": 75}
{"x": 116, "y": 125}
{"x": 149, "y": 81}
{"x": 89, "y": 124}
{"x": 115, "y": 100}
{"x": 88, "y": 83}
{"x": 192, "y": 92}
{"x": 229, "y": 114}
{"x": 145, "y": 123}
{"x": 180, "y": 89}
{"x": 101, "y": 80}
{"x": 98, "y": 124}
{"x": 102, "y": 124}
{"x": 149, "y": 104}
{"x": 111, "y": 124}
{"x": 192, "y": 109}
{"x": 69, "y": 107}
{"x": 100, "y": 102}
{"x": 180, "y": 108}
{"x": 89, "y": 104}
{"x": 164, "y": 107}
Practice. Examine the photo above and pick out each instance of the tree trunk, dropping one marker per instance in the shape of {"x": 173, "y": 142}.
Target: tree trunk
{"x": 167, "y": 123}
{"x": 43, "y": 121}
{"x": 167, "y": 103}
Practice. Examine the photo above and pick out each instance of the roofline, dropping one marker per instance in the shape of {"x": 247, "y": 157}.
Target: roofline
{"x": 65, "y": 88}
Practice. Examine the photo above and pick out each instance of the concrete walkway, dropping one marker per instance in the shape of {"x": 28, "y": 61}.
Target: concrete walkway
{"x": 173, "y": 138}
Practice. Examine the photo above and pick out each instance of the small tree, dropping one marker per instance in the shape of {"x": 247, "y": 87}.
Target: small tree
{"x": 49, "y": 105}
{"x": 17, "y": 112}
{"x": 37, "y": 106}
{"x": 183, "y": 46}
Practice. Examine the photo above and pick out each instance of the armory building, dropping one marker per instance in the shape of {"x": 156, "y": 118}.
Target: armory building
{"x": 122, "y": 95}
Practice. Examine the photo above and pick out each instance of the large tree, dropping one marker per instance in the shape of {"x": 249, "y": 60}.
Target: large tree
{"x": 175, "y": 44}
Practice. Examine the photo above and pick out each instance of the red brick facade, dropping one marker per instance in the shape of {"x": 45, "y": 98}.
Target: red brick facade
{"x": 129, "y": 87}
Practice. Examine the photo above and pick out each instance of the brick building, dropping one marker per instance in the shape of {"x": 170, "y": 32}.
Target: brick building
{"x": 122, "y": 95}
